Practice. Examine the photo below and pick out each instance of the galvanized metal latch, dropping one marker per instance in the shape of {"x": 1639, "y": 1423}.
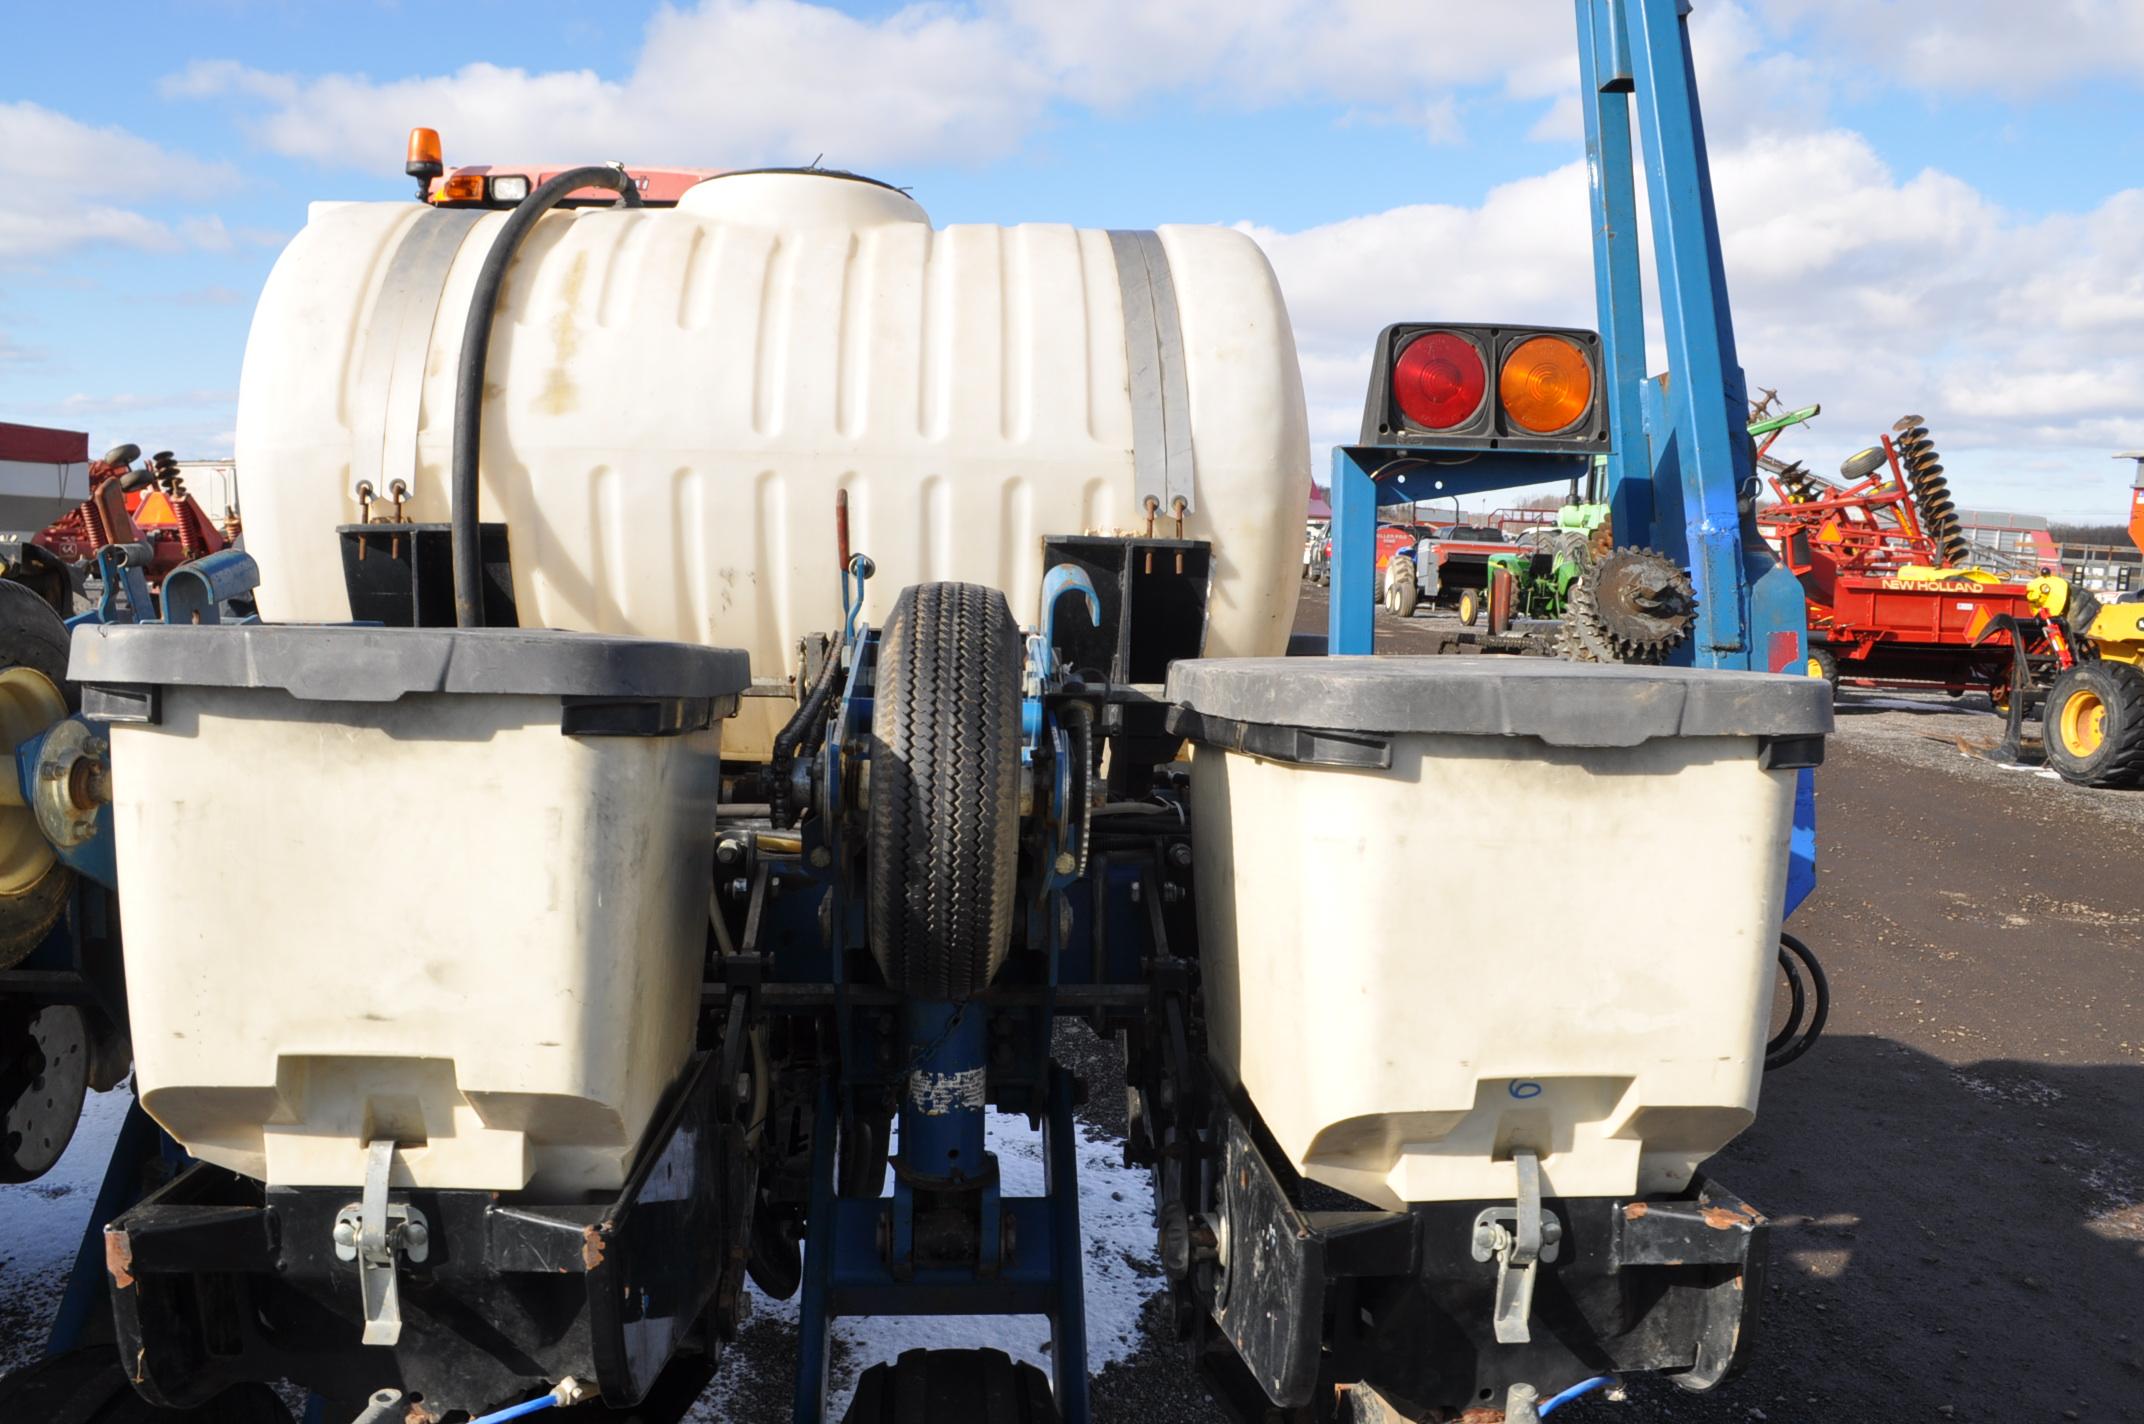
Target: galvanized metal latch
{"x": 1518, "y": 1238}
{"x": 371, "y": 1233}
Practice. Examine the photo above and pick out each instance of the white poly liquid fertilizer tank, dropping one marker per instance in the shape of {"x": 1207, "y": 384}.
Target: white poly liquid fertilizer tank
{"x": 442, "y": 887}
{"x": 1433, "y": 928}
{"x": 674, "y": 397}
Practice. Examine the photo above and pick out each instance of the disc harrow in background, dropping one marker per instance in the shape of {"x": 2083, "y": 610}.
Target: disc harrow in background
{"x": 1931, "y": 492}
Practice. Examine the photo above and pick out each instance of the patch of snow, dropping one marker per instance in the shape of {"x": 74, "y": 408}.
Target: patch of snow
{"x": 2027, "y": 1092}
{"x": 1116, "y": 1220}
{"x": 2042, "y": 771}
{"x": 41, "y": 1225}
{"x": 1895, "y": 704}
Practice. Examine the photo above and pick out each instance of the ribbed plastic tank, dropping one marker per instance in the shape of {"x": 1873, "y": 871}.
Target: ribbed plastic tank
{"x": 1455, "y": 908}
{"x": 675, "y": 396}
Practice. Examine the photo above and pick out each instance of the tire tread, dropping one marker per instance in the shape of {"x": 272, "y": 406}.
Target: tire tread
{"x": 934, "y": 1386}
{"x": 945, "y": 766}
{"x": 2120, "y": 761}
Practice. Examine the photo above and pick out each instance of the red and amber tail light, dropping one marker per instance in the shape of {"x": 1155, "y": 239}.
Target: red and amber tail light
{"x": 1442, "y": 386}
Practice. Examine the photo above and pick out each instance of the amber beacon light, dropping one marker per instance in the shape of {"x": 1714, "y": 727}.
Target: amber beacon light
{"x": 426, "y": 159}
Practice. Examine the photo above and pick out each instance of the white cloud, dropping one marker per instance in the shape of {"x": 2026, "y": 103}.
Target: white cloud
{"x": 756, "y": 81}
{"x": 1869, "y": 288}
{"x": 73, "y": 168}
{"x": 82, "y": 404}
{"x": 737, "y": 82}
{"x": 207, "y": 78}
{"x": 1996, "y": 46}
{"x": 63, "y": 226}
{"x": 1870, "y": 293}
{"x": 41, "y": 147}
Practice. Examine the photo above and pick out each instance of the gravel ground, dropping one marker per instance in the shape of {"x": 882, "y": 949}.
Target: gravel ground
{"x": 1955, "y": 1176}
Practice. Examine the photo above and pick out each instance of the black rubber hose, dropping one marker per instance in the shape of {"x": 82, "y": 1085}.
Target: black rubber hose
{"x": 793, "y": 733}
{"x": 1820, "y": 1007}
{"x": 1797, "y": 1006}
{"x": 469, "y": 378}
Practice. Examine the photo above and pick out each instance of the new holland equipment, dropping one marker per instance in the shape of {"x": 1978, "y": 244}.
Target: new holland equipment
{"x": 810, "y": 654}
{"x": 1897, "y": 597}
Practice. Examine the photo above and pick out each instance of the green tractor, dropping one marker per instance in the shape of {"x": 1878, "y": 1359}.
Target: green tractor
{"x": 1614, "y": 605}
{"x": 1542, "y": 575}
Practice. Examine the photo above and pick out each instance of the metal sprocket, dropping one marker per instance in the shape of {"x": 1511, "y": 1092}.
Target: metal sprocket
{"x": 1630, "y": 606}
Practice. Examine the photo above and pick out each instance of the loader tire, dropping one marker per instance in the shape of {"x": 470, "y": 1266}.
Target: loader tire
{"x": 86, "y": 1386}
{"x": 938, "y": 1386}
{"x": 2093, "y": 725}
{"x": 945, "y": 789}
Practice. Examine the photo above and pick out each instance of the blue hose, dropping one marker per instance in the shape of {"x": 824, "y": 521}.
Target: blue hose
{"x": 1576, "y": 1391}
{"x": 516, "y": 1411}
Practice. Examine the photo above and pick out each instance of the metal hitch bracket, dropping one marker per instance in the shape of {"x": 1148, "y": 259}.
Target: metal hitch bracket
{"x": 1518, "y": 1238}
{"x": 371, "y": 1233}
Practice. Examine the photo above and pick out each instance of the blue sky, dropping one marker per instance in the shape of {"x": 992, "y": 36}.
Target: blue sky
{"x": 1928, "y": 207}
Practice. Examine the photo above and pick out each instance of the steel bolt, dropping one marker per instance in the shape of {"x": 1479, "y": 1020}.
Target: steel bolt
{"x": 1180, "y": 853}
{"x": 346, "y": 1235}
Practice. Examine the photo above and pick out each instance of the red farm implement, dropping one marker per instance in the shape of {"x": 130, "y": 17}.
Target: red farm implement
{"x": 1896, "y": 594}
{"x": 145, "y": 506}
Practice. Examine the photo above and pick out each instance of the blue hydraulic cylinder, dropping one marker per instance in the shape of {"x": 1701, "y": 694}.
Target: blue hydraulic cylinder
{"x": 942, "y": 1103}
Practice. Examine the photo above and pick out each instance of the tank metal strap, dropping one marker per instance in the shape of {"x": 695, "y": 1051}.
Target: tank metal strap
{"x": 1162, "y": 459}
{"x": 398, "y": 339}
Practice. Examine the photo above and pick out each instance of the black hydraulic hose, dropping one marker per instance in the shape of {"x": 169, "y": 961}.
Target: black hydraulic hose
{"x": 469, "y": 378}
{"x": 1796, "y": 1038}
{"x": 805, "y": 720}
